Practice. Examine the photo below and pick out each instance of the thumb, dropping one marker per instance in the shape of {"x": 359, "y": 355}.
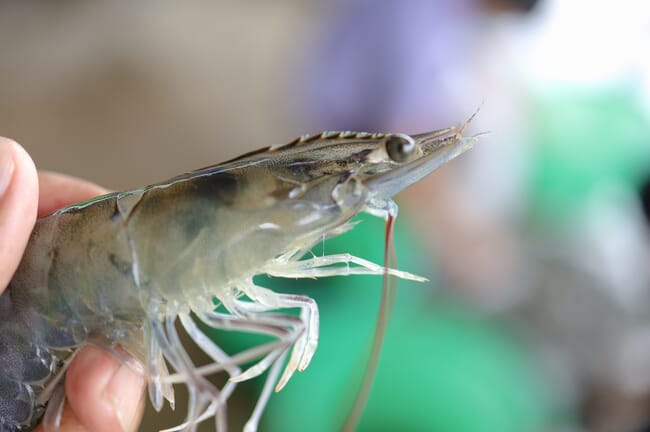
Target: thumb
{"x": 18, "y": 203}
{"x": 103, "y": 394}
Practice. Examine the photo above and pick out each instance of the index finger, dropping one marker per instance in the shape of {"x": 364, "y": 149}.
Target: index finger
{"x": 59, "y": 190}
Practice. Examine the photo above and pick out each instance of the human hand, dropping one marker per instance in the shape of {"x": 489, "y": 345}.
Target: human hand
{"x": 102, "y": 394}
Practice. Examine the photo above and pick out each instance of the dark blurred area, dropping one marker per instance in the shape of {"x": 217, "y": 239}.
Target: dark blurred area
{"x": 537, "y": 316}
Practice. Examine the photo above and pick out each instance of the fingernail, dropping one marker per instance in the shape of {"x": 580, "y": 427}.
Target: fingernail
{"x": 125, "y": 392}
{"x": 6, "y": 165}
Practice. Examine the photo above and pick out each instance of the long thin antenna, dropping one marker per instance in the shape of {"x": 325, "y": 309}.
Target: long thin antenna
{"x": 388, "y": 295}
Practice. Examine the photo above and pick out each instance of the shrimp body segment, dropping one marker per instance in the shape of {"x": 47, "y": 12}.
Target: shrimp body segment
{"x": 123, "y": 270}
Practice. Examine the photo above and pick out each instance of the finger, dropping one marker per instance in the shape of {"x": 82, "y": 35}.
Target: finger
{"x": 104, "y": 394}
{"x": 18, "y": 202}
{"x": 59, "y": 190}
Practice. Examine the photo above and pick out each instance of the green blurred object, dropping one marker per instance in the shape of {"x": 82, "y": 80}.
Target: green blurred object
{"x": 581, "y": 139}
{"x": 442, "y": 367}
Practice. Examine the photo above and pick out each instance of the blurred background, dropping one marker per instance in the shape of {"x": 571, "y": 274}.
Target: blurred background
{"x": 537, "y": 316}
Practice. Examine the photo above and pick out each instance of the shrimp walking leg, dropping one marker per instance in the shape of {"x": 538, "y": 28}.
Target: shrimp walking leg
{"x": 305, "y": 340}
{"x": 201, "y": 392}
{"x": 253, "y": 422}
{"x": 325, "y": 266}
{"x": 281, "y": 326}
{"x": 159, "y": 387}
{"x": 218, "y": 356}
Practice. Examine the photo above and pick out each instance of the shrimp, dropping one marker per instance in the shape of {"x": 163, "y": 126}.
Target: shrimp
{"x": 121, "y": 271}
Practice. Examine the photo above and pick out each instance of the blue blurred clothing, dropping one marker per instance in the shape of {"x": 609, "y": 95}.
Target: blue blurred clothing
{"x": 382, "y": 63}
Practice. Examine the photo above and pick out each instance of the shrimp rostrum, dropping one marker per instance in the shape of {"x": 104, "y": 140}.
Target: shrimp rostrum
{"x": 123, "y": 270}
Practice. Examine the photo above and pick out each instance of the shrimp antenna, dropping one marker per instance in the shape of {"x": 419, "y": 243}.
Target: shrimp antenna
{"x": 388, "y": 295}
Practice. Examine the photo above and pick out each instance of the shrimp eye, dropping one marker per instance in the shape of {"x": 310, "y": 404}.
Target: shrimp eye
{"x": 399, "y": 147}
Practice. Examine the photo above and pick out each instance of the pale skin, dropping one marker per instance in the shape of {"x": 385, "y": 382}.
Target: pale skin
{"x": 102, "y": 394}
